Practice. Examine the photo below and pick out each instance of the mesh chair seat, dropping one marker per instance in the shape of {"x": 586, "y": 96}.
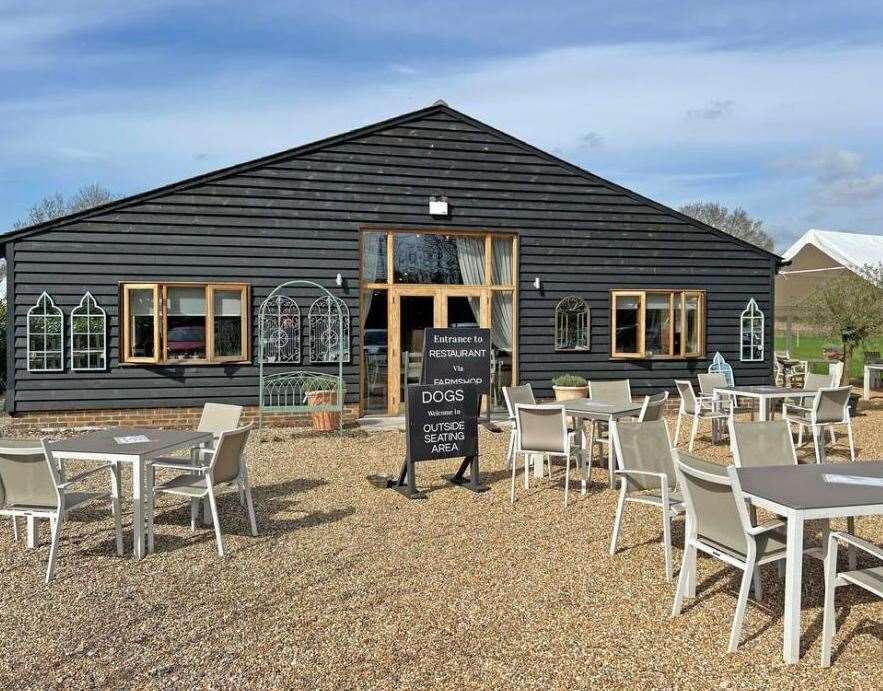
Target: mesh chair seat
{"x": 187, "y": 485}
{"x": 768, "y": 544}
{"x": 675, "y": 498}
{"x": 71, "y": 501}
{"x": 869, "y": 579}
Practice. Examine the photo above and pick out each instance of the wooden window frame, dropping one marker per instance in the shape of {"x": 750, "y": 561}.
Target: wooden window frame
{"x": 160, "y": 323}
{"x": 677, "y": 299}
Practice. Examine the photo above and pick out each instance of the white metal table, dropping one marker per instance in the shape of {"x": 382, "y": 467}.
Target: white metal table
{"x": 104, "y": 446}
{"x": 763, "y": 393}
{"x": 867, "y": 382}
{"x": 800, "y": 493}
{"x": 607, "y": 411}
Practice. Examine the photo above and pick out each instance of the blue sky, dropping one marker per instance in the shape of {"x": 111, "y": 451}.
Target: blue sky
{"x": 773, "y": 106}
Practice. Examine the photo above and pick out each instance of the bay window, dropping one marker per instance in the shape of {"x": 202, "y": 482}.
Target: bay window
{"x": 184, "y": 323}
{"x": 657, "y": 324}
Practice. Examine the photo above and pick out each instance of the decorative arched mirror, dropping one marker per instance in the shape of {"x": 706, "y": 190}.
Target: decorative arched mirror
{"x": 751, "y": 333}
{"x": 45, "y": 332}
{"x": 571, "y": 324}
{"x": 88, "y": 335}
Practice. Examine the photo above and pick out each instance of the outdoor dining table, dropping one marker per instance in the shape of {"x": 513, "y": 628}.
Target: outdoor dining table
{"x": 764, "y": 394}
{"x": 803, "y": 492}
{"x": 128, "y": 445}
{"x": 596, "y": 409}
{"x": 867, "y": 383}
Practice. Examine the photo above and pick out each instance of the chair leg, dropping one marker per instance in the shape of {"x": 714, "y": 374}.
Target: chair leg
{"x": 213, "y": 505}
{"x": 799, "y": 435}
{"x": 693, "y": 430}
{"x": 194, "y": 514}
{"x": 851, "y": 552}
{"x": 14, "y": 528}
{"x": 249, "y": 504}
{"x": 510, "y": 453}
{"x": 548, "y": 460}
{"x": 666, "y": 542}
{"x": 688, "y": 563}
{"x": 514, "y": 469}
{"x": 818, "y": 439}
{"x": 566, "y": 480}
{"x": 851, "y": 442}
{"x": 758, "y": 585}
{"x": 617, "y": 521}
{"x": 115, "y": 506}
{"x": 736, "y": 632}
{"x": 678, "y": 430}
{"x": 53, "y": 549}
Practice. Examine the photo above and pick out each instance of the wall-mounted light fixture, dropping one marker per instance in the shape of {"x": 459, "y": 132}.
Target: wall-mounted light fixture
{"x": 536, "y": 283}
{"x": 339, "y": 280}
{"x": 438, "y": 206}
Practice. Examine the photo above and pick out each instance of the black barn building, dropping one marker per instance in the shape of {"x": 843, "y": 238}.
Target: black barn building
{"x": 429, "y": 218}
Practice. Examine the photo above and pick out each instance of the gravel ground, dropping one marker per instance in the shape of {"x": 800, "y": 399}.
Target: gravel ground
{"x": 352, "y": 586}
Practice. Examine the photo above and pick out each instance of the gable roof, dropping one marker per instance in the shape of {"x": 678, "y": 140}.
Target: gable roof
{"x": 852, "y": 250}
{"x": 438, "y": 107}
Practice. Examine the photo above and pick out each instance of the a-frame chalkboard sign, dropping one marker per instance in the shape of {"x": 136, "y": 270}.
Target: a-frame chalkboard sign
{"x": 441, "y": 413}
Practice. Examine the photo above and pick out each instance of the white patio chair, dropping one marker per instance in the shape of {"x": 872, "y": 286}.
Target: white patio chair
{"x": 514, "y": 395}
{"x": 653, "y": 407}
{"x": 647, "y": 476}
{"x": 695, "y": 408}
{"x": 612, "y": 391}
{"x": 829, "y": 409}
{"x": 758, "y": 444}
{"x": 708, "y": 382}
{"x": 33, "y": 488}
{"x": 870, "y": 579}
{"x": 226, "y": 467}
{"x": 542, "y": 429}
{"x": 835, "y": 372}
{"x": 718, "y": 524}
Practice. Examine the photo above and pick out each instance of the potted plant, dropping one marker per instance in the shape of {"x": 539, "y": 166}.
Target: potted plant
{"x": 321, "y": 391}
{"x": 570, "y": 386}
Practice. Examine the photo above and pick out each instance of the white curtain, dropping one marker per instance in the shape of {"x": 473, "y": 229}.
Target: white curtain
{"x": 470, "y": 254}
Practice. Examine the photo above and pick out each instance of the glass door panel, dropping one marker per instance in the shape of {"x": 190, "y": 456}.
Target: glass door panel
{"x": 375, "y": 363}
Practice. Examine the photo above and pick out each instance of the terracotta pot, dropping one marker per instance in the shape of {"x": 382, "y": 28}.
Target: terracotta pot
{"x": 324, "y": 421}
{"x": 568, "y": 393}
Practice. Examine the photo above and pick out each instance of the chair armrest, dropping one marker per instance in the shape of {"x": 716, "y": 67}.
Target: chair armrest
{"x": 854, "y": 541}
{"x": 84, "y": 475}
{"x": 790, "y": 406}
{"x": 183, "y": 465}
{"x": 662, "y": 477}
{"x": 765, "y": 527}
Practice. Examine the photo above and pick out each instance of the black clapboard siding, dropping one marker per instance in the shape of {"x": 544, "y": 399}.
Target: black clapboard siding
{"x": 297, "y": 215}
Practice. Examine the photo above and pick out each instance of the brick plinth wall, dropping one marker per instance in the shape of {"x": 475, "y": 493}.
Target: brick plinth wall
{"x": 168, "y": 418}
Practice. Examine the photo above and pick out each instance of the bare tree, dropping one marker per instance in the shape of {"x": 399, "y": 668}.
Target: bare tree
{"x": 55, "y": 206}
{"x": 849, "y": 307}
{"x": 736, "y": 222}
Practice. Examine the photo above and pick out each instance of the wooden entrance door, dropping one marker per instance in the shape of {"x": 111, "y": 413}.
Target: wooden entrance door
{"x": 411, "y": 308}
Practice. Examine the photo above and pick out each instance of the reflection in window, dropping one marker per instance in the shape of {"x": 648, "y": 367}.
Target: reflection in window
{"x": 45, "y": 326}
{"x": 572, "y": 324}
{"x": 374, "y": 257}
{"x": 185, "y": 324}
{"x": 142, "y": 310}
{"x": 88, "y": 335}
{"x": 227, "y": 329}
{"x": 439, "y": 259}
{"x": 627, "y": 312}
{"x": 657, "y": 329}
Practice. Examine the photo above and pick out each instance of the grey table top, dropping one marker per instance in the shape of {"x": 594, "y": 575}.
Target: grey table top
{"x": 804, "y": 487}
{"x": 761, "y": 390}
{"x": 588, "y": 406}
{"x": 104, "y": 441}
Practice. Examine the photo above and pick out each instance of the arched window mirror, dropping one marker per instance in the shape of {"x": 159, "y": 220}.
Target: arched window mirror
{"x": 88, "y": 335}
{"x": 327, "y": 334}
{"x": 572, "y": 324}
{"x": 281, "y": 329}
{"x": 45, "y": 329}
{"x": 751, "y": 333}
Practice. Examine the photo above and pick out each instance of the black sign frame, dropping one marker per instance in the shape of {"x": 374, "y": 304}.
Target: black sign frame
{"x": 456, "y": 405}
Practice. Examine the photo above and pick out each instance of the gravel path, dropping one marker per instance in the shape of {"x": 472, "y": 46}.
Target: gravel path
{"x": 350, "y": 586}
